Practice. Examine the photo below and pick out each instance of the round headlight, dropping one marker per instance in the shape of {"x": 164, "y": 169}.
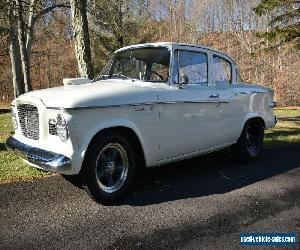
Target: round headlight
{"x": 61, "y": 128}
{"x": 14, "y": 119}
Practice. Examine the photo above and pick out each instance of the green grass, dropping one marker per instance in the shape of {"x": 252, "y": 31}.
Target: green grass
{"x": 11, "y": 167}
{"x": 281, "y": 112}
{"x": 286, "y": 132}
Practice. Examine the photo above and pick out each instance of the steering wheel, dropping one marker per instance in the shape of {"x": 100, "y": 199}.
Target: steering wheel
{"x": 159, "y": 75}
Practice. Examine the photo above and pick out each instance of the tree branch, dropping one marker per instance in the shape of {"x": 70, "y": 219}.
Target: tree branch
{"x": 49, "y": 9}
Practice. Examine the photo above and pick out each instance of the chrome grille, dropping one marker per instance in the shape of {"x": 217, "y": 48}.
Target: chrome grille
{"x": 29, "y": 120}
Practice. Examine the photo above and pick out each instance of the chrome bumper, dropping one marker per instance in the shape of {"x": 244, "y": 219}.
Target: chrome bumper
{"x": 40, "y": 158}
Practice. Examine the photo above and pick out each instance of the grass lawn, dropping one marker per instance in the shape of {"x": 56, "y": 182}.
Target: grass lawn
{"x": 282, "y": 112}
{"x": 286, "y": 132}
{"x": 11, "y": 167}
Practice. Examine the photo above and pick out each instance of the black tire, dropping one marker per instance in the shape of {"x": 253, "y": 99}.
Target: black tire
{"x": 250, "y": 143}
{"x": 105, "y": 178}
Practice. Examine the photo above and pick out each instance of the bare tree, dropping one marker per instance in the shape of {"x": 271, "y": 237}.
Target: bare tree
{"x": 33, "y": 15}
{"x": 81, "y": 37}
{"x": 14, "y": 51}
{"x": 22, "y": 43}
{"x": 30, "y": 27}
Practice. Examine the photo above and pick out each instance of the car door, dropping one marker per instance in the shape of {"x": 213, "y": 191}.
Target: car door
{"x": 229, "y": 113}
{"x": 188, "y": 113}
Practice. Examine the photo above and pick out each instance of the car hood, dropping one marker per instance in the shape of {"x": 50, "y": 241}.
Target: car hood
{"x": 111, "y": 92}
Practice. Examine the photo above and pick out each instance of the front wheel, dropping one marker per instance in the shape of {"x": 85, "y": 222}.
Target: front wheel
{"x": 109, "y": 169}
{"x": 250, "y": 143}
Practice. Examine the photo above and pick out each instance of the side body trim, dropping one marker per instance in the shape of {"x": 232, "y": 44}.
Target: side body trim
{"x": 136, "y": 104}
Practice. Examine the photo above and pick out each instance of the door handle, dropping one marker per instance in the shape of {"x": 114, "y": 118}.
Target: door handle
{"x": 214, "y": 96}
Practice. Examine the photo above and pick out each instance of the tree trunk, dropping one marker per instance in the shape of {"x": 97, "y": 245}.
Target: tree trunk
{"x": 14, "y": 52}
{"x": 81, "y": 37}
{"x": 22, "y": 43}
{"x": 120, "y": 24}
{"x": 30, "y": 27}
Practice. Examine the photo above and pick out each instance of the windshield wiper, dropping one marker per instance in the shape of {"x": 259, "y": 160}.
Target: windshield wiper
{"x": 114, "y": 76}
{"x": 119, "y": 75}
{"x": 100, "y": 77}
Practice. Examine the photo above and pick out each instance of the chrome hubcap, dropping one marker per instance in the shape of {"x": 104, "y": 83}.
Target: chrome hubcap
{"x": 112, "y": 167}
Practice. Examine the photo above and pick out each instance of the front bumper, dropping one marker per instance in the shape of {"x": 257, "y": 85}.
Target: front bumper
{"x": 39, "y": 158}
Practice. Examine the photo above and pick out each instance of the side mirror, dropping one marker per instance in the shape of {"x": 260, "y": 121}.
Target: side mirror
{"x": 183, "y": 80}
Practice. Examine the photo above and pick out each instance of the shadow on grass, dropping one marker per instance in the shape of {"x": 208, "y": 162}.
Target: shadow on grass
{"x": 282, "y": 137}
{"x": 282, "y": 133}
{"x": 4, "y": 110}
{"x": 2, "y": 147}
{"x": 289, "y": 119}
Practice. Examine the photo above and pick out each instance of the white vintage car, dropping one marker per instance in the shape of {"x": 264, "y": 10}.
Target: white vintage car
{"x": 151, "y": 105}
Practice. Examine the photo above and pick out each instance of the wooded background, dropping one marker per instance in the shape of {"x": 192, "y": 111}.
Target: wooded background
{"x": 43, "y": 39}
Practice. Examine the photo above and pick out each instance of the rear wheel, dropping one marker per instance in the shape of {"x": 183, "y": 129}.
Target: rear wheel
{"x": 109, "y": 168}
{"x": 250, "y": 143}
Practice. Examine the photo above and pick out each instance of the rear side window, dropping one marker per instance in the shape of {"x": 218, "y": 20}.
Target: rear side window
{"x": 192, "y": 64}
{"x": 222, "y": 70}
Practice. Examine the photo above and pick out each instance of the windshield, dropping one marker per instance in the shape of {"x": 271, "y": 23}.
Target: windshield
{"x": 147, "y": 64}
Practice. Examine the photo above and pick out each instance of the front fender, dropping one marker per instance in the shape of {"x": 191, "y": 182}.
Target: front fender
{"x": 111, "y": 123}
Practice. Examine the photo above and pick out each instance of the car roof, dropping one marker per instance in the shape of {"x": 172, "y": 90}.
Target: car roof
{"x": 170, "y": 44}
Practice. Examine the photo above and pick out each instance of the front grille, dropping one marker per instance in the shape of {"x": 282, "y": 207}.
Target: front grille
{"x": 29, "y": 120}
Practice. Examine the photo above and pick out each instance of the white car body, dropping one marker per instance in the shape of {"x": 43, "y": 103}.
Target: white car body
{"x": 171, "y": 122}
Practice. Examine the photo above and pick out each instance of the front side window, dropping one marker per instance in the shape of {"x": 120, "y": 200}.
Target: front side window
{"x": 147, "y": 64}
{"x": 191, "y": 64}
{"x": 221, "y": 70}
{"x": 159, "y": 72}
